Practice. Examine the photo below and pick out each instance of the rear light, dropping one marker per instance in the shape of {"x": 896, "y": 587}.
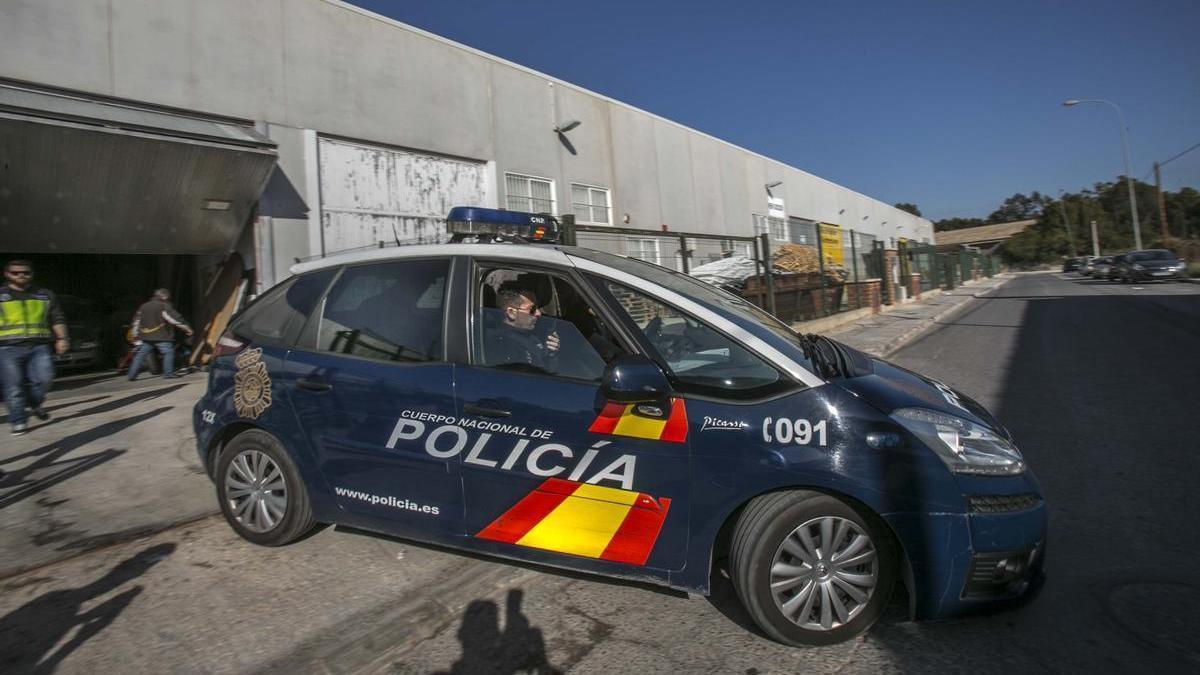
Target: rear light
{"x": 228, "y": 343}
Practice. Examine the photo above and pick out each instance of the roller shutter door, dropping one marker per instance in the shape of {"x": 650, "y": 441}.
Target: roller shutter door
{"x": 372, "y": 194}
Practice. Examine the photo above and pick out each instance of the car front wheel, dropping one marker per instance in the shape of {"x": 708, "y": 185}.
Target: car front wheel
{"x": 260, "y": 491}
{"x": 809, "y": 568}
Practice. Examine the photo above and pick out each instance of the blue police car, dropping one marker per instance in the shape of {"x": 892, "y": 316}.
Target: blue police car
{"x": 584, "y": 410}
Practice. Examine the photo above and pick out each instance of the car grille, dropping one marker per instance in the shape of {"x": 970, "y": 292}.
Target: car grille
{"x": 1002, "y": 503}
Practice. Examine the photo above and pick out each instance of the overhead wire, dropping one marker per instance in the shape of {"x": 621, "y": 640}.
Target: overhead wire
{"x": 1177, "y": 156}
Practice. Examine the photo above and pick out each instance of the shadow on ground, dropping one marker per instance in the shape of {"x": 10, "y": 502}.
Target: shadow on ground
{"x": 518, "y": 648}
{"x": 36, "y": 637}
{"x": 51, "y": 466}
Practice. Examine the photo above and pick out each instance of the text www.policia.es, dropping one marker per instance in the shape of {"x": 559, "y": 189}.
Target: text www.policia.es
{"x": 394, "y": 502}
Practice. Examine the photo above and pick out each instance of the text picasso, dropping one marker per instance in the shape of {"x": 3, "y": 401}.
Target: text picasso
{"x": 545, "y": 460}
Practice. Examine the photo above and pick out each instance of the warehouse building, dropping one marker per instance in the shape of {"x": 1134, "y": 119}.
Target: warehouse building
{"x": 163, "y": 140}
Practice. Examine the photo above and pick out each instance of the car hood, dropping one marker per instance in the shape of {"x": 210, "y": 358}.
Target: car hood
{"x": 889, "y": 387}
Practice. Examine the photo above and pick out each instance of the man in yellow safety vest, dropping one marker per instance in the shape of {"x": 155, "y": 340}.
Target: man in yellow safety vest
{"x": 30, "y": 321}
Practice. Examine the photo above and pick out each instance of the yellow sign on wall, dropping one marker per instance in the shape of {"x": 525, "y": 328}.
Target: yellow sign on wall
{"x": 831, "y": 244}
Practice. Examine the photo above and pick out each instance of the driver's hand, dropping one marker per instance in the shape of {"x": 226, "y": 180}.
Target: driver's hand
{"x": 552, "y": 342}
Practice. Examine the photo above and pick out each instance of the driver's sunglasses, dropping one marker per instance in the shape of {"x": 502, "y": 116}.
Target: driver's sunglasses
{"x": 21, "y": 273}
{"x": 532, "y": 309}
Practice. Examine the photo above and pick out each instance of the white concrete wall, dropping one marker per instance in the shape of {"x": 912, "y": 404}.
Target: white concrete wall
{"x": 326, "y": 66}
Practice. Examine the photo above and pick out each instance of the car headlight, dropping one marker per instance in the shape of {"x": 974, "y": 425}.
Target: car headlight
{"x": 964, "y": 446}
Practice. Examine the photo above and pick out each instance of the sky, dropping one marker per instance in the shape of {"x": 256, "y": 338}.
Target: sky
{"x": 951, "y": 105}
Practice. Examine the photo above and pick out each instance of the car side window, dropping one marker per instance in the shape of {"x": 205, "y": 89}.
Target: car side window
{"x": 277, "y": 318}
{"x": 695, "y": 353}
{"x": 387, "y": 311}
{"x": 536, "y": 322}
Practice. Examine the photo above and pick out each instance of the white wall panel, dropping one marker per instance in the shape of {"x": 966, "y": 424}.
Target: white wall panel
{"x": 372, "y": 194}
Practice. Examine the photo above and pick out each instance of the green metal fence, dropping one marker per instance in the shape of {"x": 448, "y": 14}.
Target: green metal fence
{"x": 841, "y": 279}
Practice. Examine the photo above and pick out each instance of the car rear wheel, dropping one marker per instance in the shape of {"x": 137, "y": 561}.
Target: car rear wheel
{"x": 260, "y": 491}
{"x": 809, "y": 568}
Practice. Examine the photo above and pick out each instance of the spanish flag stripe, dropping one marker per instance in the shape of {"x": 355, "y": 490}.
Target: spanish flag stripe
{"x": 608, "y": 418}
{"x": 635, "y": 538}
{"x": 527, "y": 513}
{"x": 639, "y": 427}
{"x": 579, "y": 526}
{"x": 585, "y": 520}
{"x": 676, "y": 428}
{"x": 619, "y": 419}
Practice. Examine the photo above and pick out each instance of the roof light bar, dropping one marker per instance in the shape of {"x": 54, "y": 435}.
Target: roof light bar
{"x": 490, "y": 224}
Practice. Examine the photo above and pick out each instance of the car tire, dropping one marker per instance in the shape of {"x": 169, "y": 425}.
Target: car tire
{"x": 804, "y": 594}
{"x": 260, "y": 491}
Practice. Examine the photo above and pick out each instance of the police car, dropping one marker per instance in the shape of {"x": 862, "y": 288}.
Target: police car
{"x": 646, "y": 425}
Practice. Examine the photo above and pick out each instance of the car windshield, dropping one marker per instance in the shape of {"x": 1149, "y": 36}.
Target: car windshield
{"x": 690, "y": 287}
{"x": 1157, "y": 254}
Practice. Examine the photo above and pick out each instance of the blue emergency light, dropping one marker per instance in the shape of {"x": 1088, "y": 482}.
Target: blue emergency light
{"x": 491, "y": 224}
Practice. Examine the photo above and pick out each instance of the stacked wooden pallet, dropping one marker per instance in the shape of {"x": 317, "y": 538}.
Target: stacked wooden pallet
{"x": 796, "y": 258}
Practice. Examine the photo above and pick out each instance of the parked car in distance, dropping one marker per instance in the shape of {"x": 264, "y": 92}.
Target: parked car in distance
{"x": 1112, "y": 266}
{"x": 83, "y": 329}
{"x": 1099, "y": 267}
{"x": 1155, "y": 264}
{"x": 1073, "y": 264}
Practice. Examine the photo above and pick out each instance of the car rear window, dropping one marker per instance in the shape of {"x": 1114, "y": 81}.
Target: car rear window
{"x": 388, "y": 311}
{"x": 277, "y": 317}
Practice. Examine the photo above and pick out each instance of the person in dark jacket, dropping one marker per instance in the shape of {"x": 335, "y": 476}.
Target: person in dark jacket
{"x": 515, "y": 340}
{"x": 153, "y": 328}
{"x": 30, "y": 321}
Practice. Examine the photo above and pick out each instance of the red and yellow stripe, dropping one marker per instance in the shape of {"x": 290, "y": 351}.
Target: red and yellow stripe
{"x": 585, "y": 520}
{"x": 619, "y": 419}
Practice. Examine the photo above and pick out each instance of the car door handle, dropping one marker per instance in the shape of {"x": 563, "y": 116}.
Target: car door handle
{"x": 313, "y": 385}
{"x": 473, "y": 409}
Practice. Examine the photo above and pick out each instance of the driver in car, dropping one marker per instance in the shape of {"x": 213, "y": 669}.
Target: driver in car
{"x": 517, "y": 339}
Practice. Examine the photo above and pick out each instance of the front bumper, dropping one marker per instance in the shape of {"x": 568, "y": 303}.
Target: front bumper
{"x": 963, "y": 562}
{"x": 76, "y": 358}
{"x": 1156, "y": 275}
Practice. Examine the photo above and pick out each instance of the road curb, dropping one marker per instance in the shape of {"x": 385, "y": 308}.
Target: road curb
{"x": 925, "y": 325}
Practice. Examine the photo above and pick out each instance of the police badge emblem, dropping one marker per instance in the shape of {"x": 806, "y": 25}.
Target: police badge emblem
{"x": 251, "y": 385}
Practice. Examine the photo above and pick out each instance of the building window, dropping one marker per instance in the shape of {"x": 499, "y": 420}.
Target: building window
{"x": 644, "y": 248}
{"x": 590, "y": 204}
{"x": 527, "y": 193}
{"x": 778, "y": 228}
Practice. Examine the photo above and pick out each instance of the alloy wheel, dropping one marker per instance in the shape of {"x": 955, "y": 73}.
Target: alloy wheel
{"x": 256, "y": 491}
{"x": 824, "y": 573}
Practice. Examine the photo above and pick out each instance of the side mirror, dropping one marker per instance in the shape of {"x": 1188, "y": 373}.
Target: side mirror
{"x": 634, "y": 379}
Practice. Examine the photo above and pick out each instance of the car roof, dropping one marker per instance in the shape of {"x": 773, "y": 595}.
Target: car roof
{"x": 529, "y": 252}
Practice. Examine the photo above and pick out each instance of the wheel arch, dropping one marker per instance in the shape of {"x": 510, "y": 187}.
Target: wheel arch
{"x": 217, "y": 443}
{"x": 721, "y": 543}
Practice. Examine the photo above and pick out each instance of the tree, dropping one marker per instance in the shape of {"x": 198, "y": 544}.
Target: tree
{"x": 911, "y": 208}
{"x": 947, "y": 224}
{"x": 1020, "y": 207}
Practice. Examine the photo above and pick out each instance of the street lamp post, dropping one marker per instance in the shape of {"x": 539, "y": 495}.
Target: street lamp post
{"x": 1137, "y": 232}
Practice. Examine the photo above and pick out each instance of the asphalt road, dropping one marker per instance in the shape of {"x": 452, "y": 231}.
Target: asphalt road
{"x": 1097, "y": 382}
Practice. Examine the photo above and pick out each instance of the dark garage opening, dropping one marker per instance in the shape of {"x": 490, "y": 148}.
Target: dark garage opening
{"x": 100, "y": 292}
